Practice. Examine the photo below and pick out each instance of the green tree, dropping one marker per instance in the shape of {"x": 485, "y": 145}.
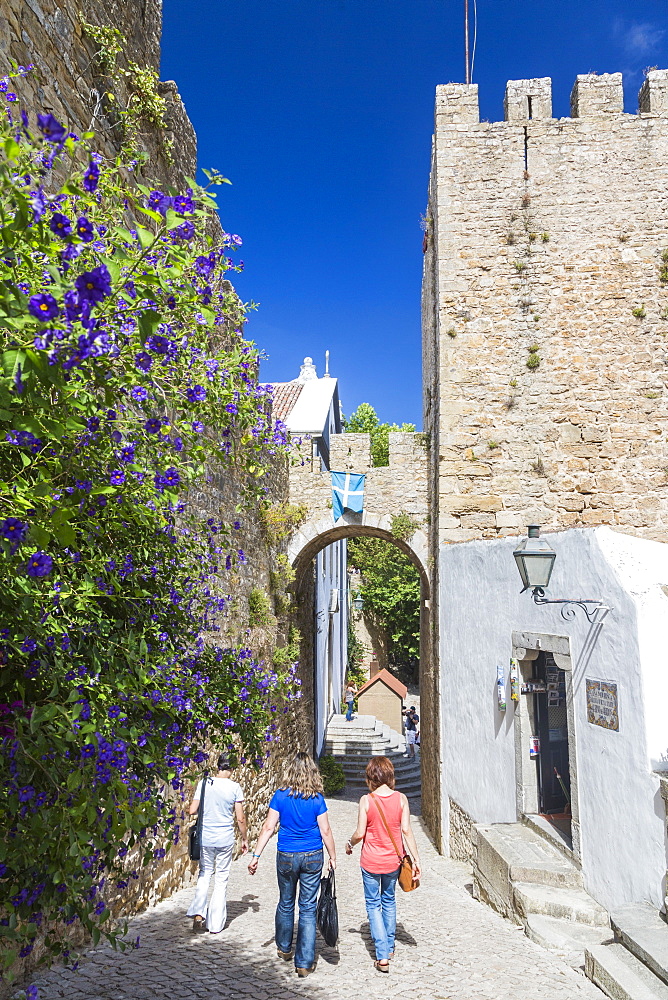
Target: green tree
{"x": 365, "y": 421}
{"x": 391, "y": 593}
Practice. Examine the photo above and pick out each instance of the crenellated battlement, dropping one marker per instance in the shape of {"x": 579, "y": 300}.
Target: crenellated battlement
{"x": 593, "y": 95}
{"x": 545, "y": 305}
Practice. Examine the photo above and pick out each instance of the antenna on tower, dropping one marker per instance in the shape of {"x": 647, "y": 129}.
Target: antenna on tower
{"x": 326, "y": 364}
{"x": 470, "y": 60}
{"x": 466, "y": 41}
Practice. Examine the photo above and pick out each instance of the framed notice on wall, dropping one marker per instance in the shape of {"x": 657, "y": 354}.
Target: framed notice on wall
{"x": 602, "y": 705}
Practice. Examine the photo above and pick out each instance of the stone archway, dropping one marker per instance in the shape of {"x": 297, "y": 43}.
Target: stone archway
{"x": 318, "y": 532}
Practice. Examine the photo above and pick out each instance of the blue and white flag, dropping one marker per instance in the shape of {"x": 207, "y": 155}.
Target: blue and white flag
{"x": 347, "y": 493}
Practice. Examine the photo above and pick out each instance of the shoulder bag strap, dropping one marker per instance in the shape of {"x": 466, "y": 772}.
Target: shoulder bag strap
{"x": 200, "y": 811}
{"x": 382, "y": 816}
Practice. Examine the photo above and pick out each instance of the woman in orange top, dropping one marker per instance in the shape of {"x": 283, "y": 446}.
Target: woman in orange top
{"x": 380, "y": 860}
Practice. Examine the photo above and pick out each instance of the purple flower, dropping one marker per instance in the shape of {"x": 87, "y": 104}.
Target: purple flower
{"x": 94, "y": 285}
{"x": 91, "y": 177}
{"x": 43, "y": 306}
{"x": 139, "y": 393}
{"x": 85, "y": 230}
{"x": 198, "y": 426}
{"x": 28, "y": 645}
{"x": 128, "y": 453}
{"x": 117, "y": 477}
{"x": 183, "y": 204}
{"x": 185, "y": 231}
{"x": 93, "y": 423}
{"x": 153, "y": 425}
{"x": 14, "y": 531}
{"x": 196, "y": 394}
{"x": 143, "y": 361}
{"x": 51, "y": 128}
{"x": 26, "y": 793}
{"x": 231, "y": 408}
{"x": 168, "y": 478}
{"x": 160, "y": 202}
{"x": 39, "y": 564}
{"x": 60, "y": 224}
{"x": 204, "y": 266}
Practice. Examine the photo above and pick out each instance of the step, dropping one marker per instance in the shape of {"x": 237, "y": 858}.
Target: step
{"x": 567, "y": 937}
{"x": 621, "y": 975}
{"x": 524, "y": 856}
{"x": 640, "y": 928}
{"x": 566, "y": 904}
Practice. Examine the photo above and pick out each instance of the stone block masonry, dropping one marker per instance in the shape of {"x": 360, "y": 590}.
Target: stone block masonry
{"x": 545, "y": 311}
{"x": 398, "y": 488}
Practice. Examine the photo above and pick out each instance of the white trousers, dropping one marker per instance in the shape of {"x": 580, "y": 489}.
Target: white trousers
{"x": 215, "y": 914}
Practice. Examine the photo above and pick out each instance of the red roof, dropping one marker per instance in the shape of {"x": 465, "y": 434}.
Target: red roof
{"x": 389, "y": 680}
{"x": 286, "y": 395}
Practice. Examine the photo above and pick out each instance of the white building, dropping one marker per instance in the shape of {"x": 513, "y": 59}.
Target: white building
{"x": 310, "y": 408}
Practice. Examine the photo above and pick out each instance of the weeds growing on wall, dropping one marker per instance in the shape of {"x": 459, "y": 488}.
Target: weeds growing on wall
{"x": 124, "y": 378}
{"x": 279, "y": 520}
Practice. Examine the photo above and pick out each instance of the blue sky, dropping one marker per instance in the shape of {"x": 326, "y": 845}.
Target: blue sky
{"x": 321, "y": 114}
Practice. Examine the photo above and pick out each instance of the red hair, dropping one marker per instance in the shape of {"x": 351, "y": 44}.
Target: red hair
{"x": 380, "y": 771}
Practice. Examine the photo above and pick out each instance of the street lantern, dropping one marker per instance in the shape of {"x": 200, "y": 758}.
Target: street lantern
{"x": 358, "y": 602}
{"x": 535, "y": 560}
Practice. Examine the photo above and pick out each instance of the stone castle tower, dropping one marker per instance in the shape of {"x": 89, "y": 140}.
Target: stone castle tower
{"x": 545, "y": 311}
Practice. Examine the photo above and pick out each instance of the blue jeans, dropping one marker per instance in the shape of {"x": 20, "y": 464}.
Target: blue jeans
{"x": 349, "y": 713}
{"x": 381, "y": 909}
{"x": 292, "y": 869}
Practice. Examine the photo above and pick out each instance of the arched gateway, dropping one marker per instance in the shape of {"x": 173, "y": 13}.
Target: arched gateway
{"x": 396, "y": 509}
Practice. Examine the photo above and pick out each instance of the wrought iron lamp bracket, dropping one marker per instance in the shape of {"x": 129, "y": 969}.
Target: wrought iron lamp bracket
{"x": 595, "y": 611}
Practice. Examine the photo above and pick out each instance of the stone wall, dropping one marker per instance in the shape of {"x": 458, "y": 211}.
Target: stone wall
{"x": 400, "y": 487}
{"x": 548, "y": 234}
{"x": 70, "y": 83}
{"x": 462, "y": 834}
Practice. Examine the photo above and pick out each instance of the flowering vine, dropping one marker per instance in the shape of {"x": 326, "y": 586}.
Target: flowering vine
{"x": 125, "y": 384}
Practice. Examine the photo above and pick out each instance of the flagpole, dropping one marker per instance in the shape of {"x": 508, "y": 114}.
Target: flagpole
{"x": 466, "y": 40}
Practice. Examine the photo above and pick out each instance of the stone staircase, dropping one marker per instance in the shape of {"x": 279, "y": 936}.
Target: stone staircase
{"x": 352, "y": 743}
{"x": 533, "y": 883}
{"x": 635, "y": 965}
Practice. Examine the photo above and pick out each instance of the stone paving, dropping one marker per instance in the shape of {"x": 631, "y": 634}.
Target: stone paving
{"x": 449, "y": 947}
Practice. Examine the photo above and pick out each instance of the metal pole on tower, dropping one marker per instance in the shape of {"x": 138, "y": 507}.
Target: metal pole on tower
{"x": 466, "y": 40}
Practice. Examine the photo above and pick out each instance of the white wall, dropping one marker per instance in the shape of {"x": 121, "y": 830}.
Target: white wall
{"x": 622, "y": 818}
{"x": 331, "y": 635}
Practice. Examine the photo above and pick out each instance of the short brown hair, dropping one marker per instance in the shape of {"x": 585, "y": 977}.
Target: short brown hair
{"x": 380, "y": 771}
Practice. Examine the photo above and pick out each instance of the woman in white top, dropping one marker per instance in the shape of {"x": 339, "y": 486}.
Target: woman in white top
{"x": 223, "y": 800}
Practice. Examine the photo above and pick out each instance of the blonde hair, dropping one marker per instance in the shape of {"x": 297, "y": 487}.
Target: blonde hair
{"x": 301, "y": 776}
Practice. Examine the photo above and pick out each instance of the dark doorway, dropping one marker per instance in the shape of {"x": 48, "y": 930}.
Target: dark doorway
{"x": 551, "y": 720}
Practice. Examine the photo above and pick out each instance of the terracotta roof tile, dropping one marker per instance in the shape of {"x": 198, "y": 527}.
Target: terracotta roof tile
{"x": 390, "y": 680}
{"x": 286, "y": 395}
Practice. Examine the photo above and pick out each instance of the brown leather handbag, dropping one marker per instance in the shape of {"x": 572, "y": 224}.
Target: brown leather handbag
{"x": 406, "y": 880}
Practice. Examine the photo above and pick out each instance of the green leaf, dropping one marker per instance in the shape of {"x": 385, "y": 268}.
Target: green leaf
{"x": 146, "y": 237}
{"x": 12, "y": 149}
{"x": 149, "y": 320}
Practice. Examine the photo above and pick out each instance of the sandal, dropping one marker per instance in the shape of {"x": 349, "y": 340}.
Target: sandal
{"x": 382, "y": 965}
{"x": 198, "y": 924}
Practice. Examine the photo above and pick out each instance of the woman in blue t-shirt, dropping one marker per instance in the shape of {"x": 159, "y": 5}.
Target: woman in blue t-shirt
{"x": 300, "y": 808}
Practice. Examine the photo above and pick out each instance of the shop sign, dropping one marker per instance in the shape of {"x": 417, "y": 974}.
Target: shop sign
{"x": 534, "y": 747}
{"x": 602, "y": 707}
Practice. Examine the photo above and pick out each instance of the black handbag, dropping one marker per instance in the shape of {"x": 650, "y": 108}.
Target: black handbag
{"x": 195, "y": 831}
{"x": 327, "y": 916}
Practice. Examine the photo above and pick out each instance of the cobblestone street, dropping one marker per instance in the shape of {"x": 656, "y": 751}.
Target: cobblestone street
{"x": 449, "y": 947}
